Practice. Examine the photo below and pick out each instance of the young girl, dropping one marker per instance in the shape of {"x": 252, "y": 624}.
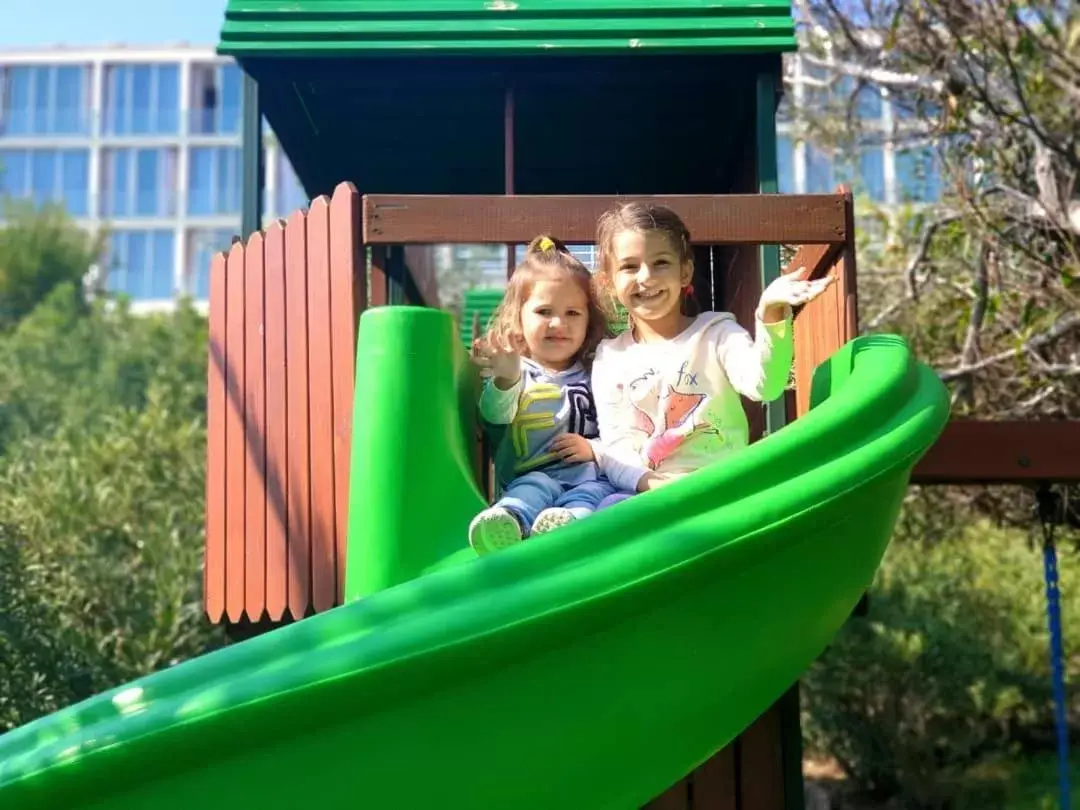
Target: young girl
{"x": 538, "y": 350}
{"x": 667, "y": 389}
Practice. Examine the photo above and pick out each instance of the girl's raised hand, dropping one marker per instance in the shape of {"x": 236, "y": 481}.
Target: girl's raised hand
{"x": 790, "y": 290}
{"x": 502, "y": 361}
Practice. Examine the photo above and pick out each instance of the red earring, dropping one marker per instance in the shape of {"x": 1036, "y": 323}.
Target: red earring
{"x": 688, "y": 290}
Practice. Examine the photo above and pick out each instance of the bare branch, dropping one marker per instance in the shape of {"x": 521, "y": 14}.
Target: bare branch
{"x": 915, "y": 282}
{"x": 1062, "y": 327}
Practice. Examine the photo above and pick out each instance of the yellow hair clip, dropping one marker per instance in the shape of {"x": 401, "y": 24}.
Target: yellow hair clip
{"x": 546, "y": 244}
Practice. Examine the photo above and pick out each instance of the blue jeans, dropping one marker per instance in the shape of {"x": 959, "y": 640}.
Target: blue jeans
{"x": 534, "y": 492}
{"x": 613, "y": 499}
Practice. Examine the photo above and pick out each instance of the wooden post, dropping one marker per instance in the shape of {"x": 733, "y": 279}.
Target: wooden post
{"x": 251, "y": 211}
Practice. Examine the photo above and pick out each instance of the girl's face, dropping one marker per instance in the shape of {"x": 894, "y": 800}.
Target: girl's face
{"x": 554, "y": 321}
{"x": 648, "y": 276}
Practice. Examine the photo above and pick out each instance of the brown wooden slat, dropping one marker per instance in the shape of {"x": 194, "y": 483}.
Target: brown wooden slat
{"x": 296, "y": 353}
{"x": 761, "y": 772}
{"x": 277, "y": 464}
{"x": 712, "y": 219}
{"x": 420, "y": 261}
{"x": 676, "y": 797}
{"x": 254, "y": 431}
{"x": 714, "y": 783}
{"x": 321, "y": 408}
{"x": 378, "y": 297}
{"x": 977, "y": 452}
{"x": 738, "y": 276}
{"x": 819, "y": 258}
{"x": 348, "y": 284}
{"x": 826, "y": 324}
{"x": 216, "y": 451}
{"x": 235, "y": 440}
{"x": 849, "y": 267}
{"x": 818, "y": 333}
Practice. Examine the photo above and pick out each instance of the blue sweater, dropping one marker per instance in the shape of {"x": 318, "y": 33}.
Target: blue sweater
{"x": 523, "y": 420}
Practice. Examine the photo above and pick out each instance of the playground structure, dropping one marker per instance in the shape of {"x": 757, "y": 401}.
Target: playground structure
{"x": 311, "y": 515}
{"x": 490, "y": 111}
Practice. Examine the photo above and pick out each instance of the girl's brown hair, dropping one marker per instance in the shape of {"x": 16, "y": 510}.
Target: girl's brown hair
{"x": 642, "y": 217}
{"x": 546, "y": 256}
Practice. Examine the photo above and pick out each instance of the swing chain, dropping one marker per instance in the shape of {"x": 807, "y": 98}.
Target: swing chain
{"x": 1050, "y": 508}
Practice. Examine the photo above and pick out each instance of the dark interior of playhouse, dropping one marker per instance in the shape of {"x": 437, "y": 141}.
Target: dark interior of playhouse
{"x": 451, "y": 122}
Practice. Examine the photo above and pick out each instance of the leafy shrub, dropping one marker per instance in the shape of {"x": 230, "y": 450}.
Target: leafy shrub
{"x": 102, "y": 495}
{"x": 950, "y": 666}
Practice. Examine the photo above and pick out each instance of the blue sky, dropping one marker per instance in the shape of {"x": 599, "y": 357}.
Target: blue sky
{"x": 86, "y": 23}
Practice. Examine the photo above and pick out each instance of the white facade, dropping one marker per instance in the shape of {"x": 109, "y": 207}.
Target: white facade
{"x": 145, "y": 142}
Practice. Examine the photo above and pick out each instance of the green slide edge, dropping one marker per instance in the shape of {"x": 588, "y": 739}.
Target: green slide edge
{"x": 591, "y": 667}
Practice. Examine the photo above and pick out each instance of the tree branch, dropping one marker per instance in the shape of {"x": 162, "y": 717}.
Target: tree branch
{"x": 1062, "y": 327}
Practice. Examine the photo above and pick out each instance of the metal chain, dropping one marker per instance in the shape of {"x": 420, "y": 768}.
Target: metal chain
{"x": 1049, "y": 511}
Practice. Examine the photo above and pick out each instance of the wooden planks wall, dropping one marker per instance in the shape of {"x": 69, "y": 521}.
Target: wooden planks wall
{"x": 283, "y": 314}
{"x": 826, "y": 324}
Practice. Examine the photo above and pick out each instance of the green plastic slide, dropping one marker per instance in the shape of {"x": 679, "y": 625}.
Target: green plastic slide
{"x": 589, "y": 668}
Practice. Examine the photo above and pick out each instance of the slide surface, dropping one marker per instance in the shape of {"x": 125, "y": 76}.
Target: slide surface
{"x": 588, "y": 668}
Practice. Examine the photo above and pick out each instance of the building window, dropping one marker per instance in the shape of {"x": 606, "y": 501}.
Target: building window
{"x": 866, "y": 174}
{"x": 918, "y": 175}
{"x": 872, "y": 172}
{"x": 140, "y": 264}
{"x": 216, "y": 99}
{"x": 45, "y": 100}
{"x": 785, "y": 165}
{"x": 142, "y": 100}
{"x": 138, "y": 183}
{"x": 47, "y": 176}
{"x": 819, "y": 171}
{"x": 214, "y": 180}
{"x": 203, "y": 243}
{"x": 290, "y": 193}
{"x": 867, "y": 104}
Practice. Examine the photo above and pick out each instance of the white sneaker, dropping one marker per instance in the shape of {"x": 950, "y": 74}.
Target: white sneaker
{"x": 494, "y": 529}
{"x": 551, "y": 519}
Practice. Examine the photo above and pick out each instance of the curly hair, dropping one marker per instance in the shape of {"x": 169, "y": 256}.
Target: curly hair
{"x": 547, "y": 257}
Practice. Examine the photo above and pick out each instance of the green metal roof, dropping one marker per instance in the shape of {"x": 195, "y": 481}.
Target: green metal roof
{"x": 506, "y": 27}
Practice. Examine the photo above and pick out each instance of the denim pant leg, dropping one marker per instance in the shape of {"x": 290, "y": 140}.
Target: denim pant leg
{"x": 583, "y": 499}
{"x": 527, "y": 496}
{"x": 611, "y": 500}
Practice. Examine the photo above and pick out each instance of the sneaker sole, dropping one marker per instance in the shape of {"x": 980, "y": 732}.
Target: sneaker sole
{"x": 493, "y": 535}
{"x": 547, "y": 523}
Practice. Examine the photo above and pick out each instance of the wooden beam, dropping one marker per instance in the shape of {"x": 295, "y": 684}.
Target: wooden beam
{"x": 739, "y": 219}
{"x": 975, "y": 452}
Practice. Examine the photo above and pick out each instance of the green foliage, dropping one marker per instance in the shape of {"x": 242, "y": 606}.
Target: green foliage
{"x": 67, "y": 363}
{"x": 39, "y": 251}
{"x": 1015, "y": 783}
{"x": 41, "y": 665}
{"x": 949, "y": 668}
{"x": 102, "y": 492}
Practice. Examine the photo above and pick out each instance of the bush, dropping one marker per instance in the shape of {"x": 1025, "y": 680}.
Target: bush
{"x": 41, "y": 666}
{"x": 950, "y": 666}
{"x": 65, "y": 364}
{"x": 101, "y": 501}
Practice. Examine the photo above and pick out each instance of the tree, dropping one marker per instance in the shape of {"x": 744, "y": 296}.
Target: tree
{"x": 102, "y": 492}
{"x": 986, "y": 283}
{"x": 40, "y": 249}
